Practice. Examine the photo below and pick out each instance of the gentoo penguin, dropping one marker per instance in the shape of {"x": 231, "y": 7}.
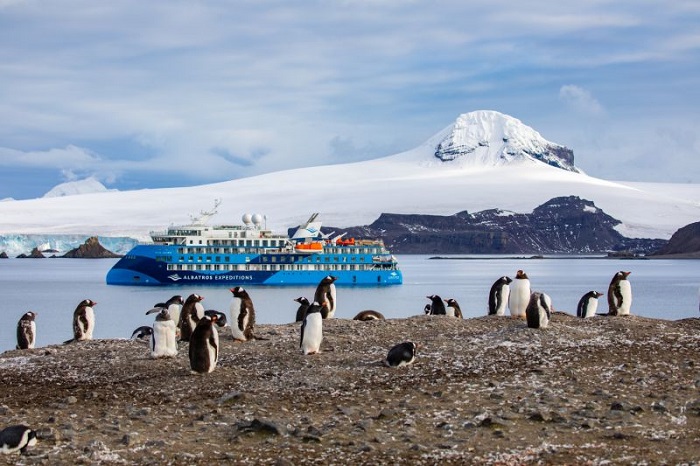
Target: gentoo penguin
{"x": 402, "y": 354}
{"x": 312, "y": 330}
{"x": 84, "y": 320}
{"x": 220, "y": 317}
{"x": 301, "y": 310}
{"x": 191, "y": 312}
{"x": 427, "y": 309}
{"x": 326, "y": 296}
{"x": 453, "y": 309}
{"x": 498, "y": 296}
{"x": 368, "y": 315}
{"x": 163, "y": 339}
{"x": 437, "y": 307}
{"x": 588, "y": 304}
{"x": 174, "y": 306}
{"x": 519, "y": 295}
{"x": 242, "y": 314}
{"x": 620, "y": 295}
{"x": 26, "y": 331}
{"x": 142, "y": 332}
{"x": 16, "y": 438}
{"x": 204, "y": 345}
{"x": 539, "y": 310}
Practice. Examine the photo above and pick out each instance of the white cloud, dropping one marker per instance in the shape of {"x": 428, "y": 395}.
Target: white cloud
{"x": 580, "y": 100}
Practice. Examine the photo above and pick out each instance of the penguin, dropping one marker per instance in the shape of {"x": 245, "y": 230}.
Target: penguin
{"x": 619, "y": 295}
{"x": 26, "y": 331}
{"x": 242, "y": 314}
{"x": 588, "y": 304}
{"x": 402, "y": 354}
{"x": 498, "y": 296}
{"x": 174, "y": 306}
{"x": 191, "y": 312}
{"x": 16, "y": 438}
{"x": 163, "y": 339}
{"x": 301, "y": 310}
{"x": 312, "y": 330}
{"x": 453, "y": 309}
{"x": 84, "y": 320}
{"x": 325, "y": 295}
{"x": 142, "y": 332}
{"x": 427, "y": 309}
{"x": 437, "y": 308}
{"x": 369, "y": 315}
{"x": 220, "y": 317}
{"x": 204, "y": 345}
{"x": 519, "y": 296}
{"x": 539, "y": 310}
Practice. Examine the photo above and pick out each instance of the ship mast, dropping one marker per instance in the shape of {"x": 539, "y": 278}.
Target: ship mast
{"x": 204, "y": 215}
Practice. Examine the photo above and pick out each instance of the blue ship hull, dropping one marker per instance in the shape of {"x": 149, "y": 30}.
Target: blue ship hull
{"x": 141, "y": 267}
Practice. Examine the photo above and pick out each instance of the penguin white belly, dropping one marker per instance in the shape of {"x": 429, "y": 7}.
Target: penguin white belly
{"x": 449, "y": 311}
{"x": 626, "y": 292}
{"x": 313, "y": 334}
{"x": 213, "y": 350}
{"x": 519, "y": 297}
{"x": 544, "y": 319}
{"x": 174, "y": 311}
{"x": 591, "y": 307}
{"x": 334, "y": 302}
{"x": 199, "y": 310}
{"x": 163, "y": 340}
{"x": 502, "y": 300}
{"x": 32, "y": 340}
{"x": 235, "y": 308}
{"x": 90, "y": 316}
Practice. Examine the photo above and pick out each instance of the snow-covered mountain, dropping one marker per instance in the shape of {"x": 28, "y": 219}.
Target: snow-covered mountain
{"x": 72, "y": 188}
{"x": 516, "y": 175}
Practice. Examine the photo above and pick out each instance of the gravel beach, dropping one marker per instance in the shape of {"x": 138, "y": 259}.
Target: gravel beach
{"x": 488, "y": 390}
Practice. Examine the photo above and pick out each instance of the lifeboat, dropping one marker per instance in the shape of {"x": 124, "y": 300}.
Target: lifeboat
{"x": 313, "y": 246}
{"x": 345, "y": 242}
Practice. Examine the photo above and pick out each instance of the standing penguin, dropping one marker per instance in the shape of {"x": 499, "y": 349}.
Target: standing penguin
{"x": 191, "y": 312}
{"x": 204, "y": 345}
{"x": 498, "y": 296}
{"x": 242, "y": 314}
{"x": 402, "y": 354}
{"x": 174, "y": 306}
{"x": 437, "y": 308}
{"x": 539, "y": 310}
{"x": 301, "y": 310}
{"x": 325, "y": 295}
{"x": 519, "y": 295}
{"x": 588, "y": 304}
{"x": 26, "y": 331}
{"x": 453, "y": 309}
{"x": 84, "y": 320}
{"x": 312, "y": 330}
{"x": 16, "y": 438}
{"x": 619, "y": 295}
{"x": 163, "y": 340}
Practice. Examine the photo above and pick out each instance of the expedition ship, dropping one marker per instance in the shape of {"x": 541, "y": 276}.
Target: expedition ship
{"x": 250, "y": 254}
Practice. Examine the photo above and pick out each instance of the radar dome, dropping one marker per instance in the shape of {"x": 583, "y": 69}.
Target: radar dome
{"x": 247, "y": 219}
{"x": 257, "y": 219}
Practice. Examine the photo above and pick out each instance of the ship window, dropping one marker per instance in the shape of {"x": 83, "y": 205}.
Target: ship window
{"x": 191, "y": 258}
{"x": 226, "y": 258}
{"x": 218, "y": 259}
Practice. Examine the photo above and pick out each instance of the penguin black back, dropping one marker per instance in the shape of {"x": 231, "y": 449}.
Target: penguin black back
{"x": 189, "y": 316}
{"x": 498, "y": 296}
{"x": 301, "y": 310}
{"x": 437, "y": 307}
{"x": 26, "y": 331}
{"x": 16, "y": 438}
{"x": 204, "y": 345}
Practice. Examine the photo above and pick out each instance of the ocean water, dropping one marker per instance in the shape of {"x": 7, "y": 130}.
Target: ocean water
{"x": 664, "y": 289}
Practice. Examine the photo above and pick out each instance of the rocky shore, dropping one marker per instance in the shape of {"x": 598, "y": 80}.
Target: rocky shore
{"x": 622, "y": 390}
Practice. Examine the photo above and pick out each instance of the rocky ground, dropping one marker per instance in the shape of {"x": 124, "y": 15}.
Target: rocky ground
{"x": 622, "y": 390}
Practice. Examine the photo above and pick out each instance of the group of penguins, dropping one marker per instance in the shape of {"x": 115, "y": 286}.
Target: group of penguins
{"x": 186, "y": 320}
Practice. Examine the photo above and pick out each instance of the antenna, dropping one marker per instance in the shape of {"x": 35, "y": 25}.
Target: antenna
{"x": 205, "y": 215}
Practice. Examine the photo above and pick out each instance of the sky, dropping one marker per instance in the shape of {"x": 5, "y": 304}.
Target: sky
{"x": 183, "y": 93}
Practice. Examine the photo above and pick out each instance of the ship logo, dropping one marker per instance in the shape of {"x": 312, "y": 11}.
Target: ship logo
{"x": 174, "y": 277}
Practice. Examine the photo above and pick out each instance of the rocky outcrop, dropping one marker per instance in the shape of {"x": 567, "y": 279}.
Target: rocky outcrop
{"x": 35, "y": 254}
{"x": 563, "y": 225}
{"x": 3, "y": 255}
{"x": 685, "y": 241}
{"x": 91, "y": 249}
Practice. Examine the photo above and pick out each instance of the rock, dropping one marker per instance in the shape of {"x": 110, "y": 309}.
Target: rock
{"x": 91, "y": 249}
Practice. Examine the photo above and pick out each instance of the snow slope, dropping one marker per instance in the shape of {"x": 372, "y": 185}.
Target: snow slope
{"x": 72, "y": 188}
{"x": 355, "y": 194}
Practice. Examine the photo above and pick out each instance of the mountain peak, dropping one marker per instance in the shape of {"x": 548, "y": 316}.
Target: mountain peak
{"x": 72, "y": 188}
{"x": 487, "y": 137}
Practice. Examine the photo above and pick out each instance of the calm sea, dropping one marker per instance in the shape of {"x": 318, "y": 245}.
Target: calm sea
{"x": 665, "y": 289}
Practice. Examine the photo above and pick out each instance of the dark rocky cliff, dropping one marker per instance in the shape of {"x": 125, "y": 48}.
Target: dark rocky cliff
{"x": 685, "y": 241}
{"x": 563, "y": 225}
{"x": 91, "y": 249}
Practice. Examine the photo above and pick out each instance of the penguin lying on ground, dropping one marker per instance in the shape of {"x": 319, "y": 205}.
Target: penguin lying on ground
{"x": 368, "y": 315}
{"x": 402, "y": 354}
{"x": 26, "y": 331}
{"x": 141, "y": 332}
{"x": 16, "y": 438}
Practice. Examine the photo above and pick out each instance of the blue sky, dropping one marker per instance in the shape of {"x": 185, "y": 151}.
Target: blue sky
{"x": 179, "y": 93}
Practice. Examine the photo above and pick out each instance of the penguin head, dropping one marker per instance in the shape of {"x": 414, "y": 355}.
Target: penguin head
{"x": 194, "y": 297}
{"x": 28, "y": 316}
{"x": 328, "y": 279}
{"x": 302, "y": 300}
{"x": 506, "y": 279}
{"x": 239, "y": 292}
{"x": 450, "y": 301}
{"x": 521, "y": 275}
{"x": 177, "y": 299}
{"x": 434, "y": 298}
{"x": 596, "y": 294}
{"x": 163, "y": 315}
{"x": 87, "y": 303}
